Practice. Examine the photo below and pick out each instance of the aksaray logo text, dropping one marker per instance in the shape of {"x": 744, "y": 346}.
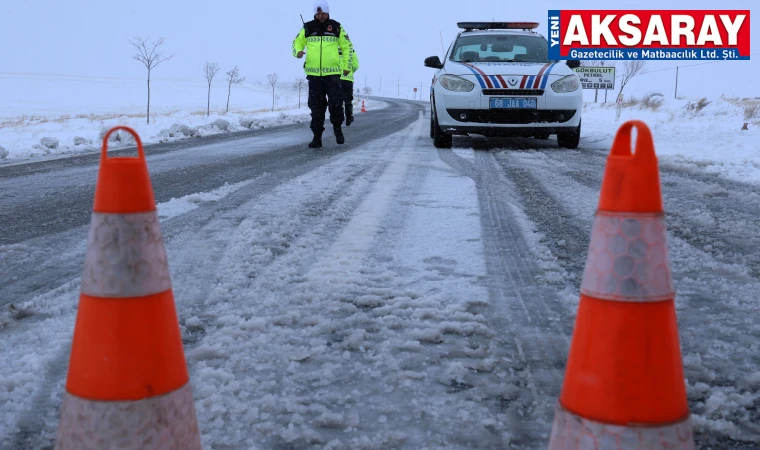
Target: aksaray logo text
{"x": 649, "y": 34}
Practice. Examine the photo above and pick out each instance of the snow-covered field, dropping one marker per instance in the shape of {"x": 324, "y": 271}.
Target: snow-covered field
{"x": 690, "y": 136}
{"x": 40, "y": 119}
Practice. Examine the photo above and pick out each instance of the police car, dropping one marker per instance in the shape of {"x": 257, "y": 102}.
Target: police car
{"x": 497, "y": 80}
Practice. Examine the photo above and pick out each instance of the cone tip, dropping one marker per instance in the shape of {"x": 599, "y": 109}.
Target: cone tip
{"x": 123, "y": 184}
{"x": 631, "y": 180}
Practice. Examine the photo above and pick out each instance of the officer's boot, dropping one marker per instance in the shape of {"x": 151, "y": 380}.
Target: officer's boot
{"x": 349, "y": 113}
{"x": 339, "y": 135}
{"x": 316, "y": 142}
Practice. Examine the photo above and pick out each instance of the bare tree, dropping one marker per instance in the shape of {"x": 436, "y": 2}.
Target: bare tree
{"x": 209, "y": 71}
{"x": 150, "y": 56}
{"x": 272, "y": 81}
{"x": 299, "y": 85}
{"x": 367, "y": 90}
{"x": 631, "y": 69}
{"x": 233, "y": 77}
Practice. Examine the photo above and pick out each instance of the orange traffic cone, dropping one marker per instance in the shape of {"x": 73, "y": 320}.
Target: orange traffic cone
{"x": 624, "y": 386}
{"x": 127, "y": 385}
{"x": 363, "y": 108}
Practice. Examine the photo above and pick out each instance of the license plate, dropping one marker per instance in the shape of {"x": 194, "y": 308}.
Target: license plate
{"x": 513, "y": 103}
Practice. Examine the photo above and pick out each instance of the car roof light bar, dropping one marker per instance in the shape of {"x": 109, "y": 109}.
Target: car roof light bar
{"x": 469, "y": 26}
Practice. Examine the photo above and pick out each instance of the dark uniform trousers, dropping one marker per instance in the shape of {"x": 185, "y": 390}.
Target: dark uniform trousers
{"x": 325, "y": 92}
{"x": 348, "y": 96}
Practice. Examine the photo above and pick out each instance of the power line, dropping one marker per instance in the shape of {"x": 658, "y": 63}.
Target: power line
{"x": 78, "y": 77}
{"x": 689, "y": 65}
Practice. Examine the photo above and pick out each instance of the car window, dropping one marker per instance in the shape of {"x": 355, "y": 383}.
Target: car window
{"x": 500, "y": 48}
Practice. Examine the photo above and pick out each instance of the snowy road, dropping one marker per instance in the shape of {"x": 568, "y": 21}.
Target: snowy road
{"x": 381, "y": 294}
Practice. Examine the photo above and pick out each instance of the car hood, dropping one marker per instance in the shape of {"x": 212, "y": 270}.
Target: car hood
{"x": 509, "y": 74}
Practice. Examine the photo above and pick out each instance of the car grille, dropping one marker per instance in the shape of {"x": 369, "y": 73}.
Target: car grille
{"x": 512, "y": 116}
{"x": 534, "y": 92}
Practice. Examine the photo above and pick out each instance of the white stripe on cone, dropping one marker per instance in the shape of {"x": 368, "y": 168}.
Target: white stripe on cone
{"x": 628, "y": 259}
{"x": 572, "y": 432}
{"x": 125, "y": 256}
{"x": 167, "y": 422}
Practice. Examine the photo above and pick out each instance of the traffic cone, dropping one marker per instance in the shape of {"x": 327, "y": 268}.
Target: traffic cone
{"x": 363, "y": 108}
{"x": 624, "y": 386}
{"x": 127, "y": 385}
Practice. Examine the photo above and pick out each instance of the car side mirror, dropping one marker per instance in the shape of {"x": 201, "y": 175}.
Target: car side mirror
{"x": 573, "y": 63}
{"x": 434, "y": 62}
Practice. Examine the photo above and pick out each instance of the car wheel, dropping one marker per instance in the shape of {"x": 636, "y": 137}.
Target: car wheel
{"x": 440, "y": 139}
{"x": 570, "y": 140}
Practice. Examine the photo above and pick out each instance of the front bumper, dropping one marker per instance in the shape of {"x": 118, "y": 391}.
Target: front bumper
{"x": 469, "y": 112}
{"x": 511, "y": 131}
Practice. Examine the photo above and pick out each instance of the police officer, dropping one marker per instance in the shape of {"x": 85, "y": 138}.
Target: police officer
{"x": 322, "y": 38}
{"x": 347, "y": 82}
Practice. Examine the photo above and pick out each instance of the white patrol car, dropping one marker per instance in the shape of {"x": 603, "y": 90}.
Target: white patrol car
{"x": 497, "y": 80}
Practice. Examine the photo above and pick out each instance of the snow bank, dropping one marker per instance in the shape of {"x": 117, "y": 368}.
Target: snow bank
{"x": 38, "y": 137}
{"x": 698, "y": 135}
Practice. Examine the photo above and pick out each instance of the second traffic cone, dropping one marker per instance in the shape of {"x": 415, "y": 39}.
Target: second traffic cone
{"x": 363, "y": 108}
{"x": 624, "y": 386}
{"x": 127, "y": 386}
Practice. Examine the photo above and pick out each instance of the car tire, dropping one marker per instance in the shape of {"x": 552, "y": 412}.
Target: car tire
{"x": 440, "y": 139}
{"x": 570, "y": 140}
{"x": 432, "y": 125}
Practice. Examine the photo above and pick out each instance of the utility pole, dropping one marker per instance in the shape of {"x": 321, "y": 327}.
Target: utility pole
{"x": 381, "y": 84}
{"x": 676, "y": 93}
{"x": 398, "y": 92}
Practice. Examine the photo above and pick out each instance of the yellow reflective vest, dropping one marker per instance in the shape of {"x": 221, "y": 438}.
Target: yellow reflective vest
{"x": 322, "y": 42}
{"x": 353, "y": 68}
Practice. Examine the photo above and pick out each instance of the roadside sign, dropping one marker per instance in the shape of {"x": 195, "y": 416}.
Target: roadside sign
{"x": 596, "y": 77}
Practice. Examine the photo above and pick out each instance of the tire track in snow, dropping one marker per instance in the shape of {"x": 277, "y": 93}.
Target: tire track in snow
{"x": 566, "y": 236}
{"x": 526, "y": 311}
{"x": 316, "y": 354}
{"x": 715, "y": 217}
{"x": 277, "y": 244}
{"x": 700, "y": 281}
{"x": 432, "y": 368}
{"x": 450, "y": 363}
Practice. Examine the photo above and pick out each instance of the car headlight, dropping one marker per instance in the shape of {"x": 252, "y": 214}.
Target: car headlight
{"x": 569, "y": 83}
{"x": 456, "y": 84}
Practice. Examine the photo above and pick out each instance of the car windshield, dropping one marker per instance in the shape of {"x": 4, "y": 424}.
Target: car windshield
{"x": 493, "y": 47}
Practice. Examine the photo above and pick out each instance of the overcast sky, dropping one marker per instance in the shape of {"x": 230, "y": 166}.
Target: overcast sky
{"x": 87, "y": 37}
